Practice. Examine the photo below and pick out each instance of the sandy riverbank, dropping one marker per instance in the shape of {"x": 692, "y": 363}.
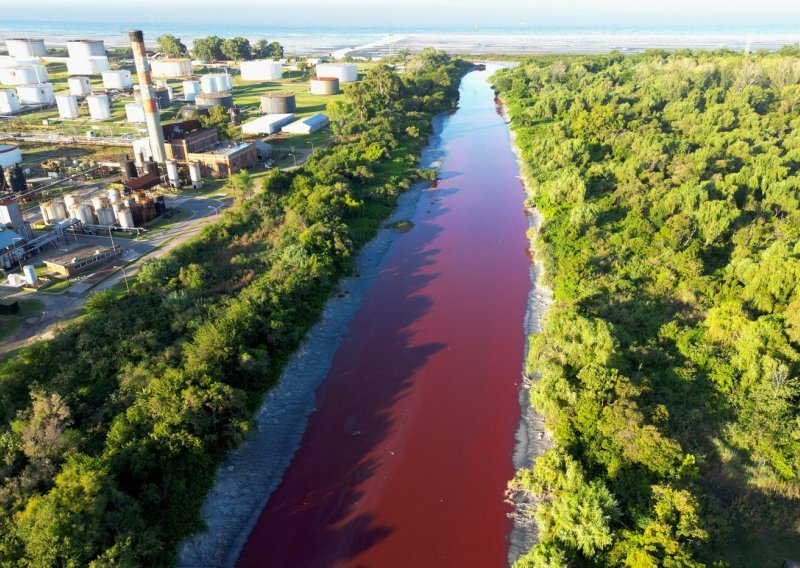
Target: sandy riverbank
{"x": 532, "y": 437}
{"x": 249, "y": 475}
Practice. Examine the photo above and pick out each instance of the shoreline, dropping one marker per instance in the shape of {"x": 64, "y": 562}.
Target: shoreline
{"x": 249, "y": 475}
{"x": 532, "y": 437}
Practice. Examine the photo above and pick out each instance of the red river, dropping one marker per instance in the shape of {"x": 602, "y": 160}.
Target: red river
{"x": 406, "y": 459}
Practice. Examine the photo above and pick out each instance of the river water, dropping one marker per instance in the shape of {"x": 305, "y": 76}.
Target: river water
{"x": 406, "y": 460}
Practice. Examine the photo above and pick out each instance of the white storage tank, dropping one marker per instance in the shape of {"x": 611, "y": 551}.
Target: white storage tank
{"x": 196, "y": 175}
{"x": 22, "y": 48}
{"x": 209, "y": 84}
{"x": 99, "y": 107}
{"x": 172, "y": 173}
{"x": 261, "y": 70}
{"x": 134, "y": 112}
{"x": 9, "y": 101}
{"x": 113, "y": 195}
{"x": 58, "y": 211}
{"x": 105, "y": 216}
{"x": 23, "y": 75}
{"x": 85, "y": 214}
{"x": 41, "y": 94}
{"x": 345, "y": 72}
{"x": 30, "y": 273}
{"x": 171, "y": 68}
{"x": 124, "y": 216}
{"x": 72, "y": 200}
{"x": 190, "y": 90}
{"x": 117, "y": 79}
{"x": 9, "y": 155}
{"x": 82, "y": 48}
{"x": 99, "y": 202}
{"x": 94, "y": 65}
{"x": 79, "y": 86}
{"x": 67, "y": 106}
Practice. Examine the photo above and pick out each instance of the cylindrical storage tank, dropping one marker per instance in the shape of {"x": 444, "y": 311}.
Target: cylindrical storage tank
{"x": 172, "y": 173}
{"x": 80, "y": 48}
{"x": 79, "y": 86}
{"x": 210, "y": 100}
{"x": 86, "y": 214}
{"x": 67, "y": 106}
{"x": 195, "y": 175}
{"x": 261, "y": 70}
{"x": 117, "y": 79}
{"x": 58, "y": 211}
{"x": 222, "y": 82}
{"x": 190, "y": 112}
{"x": 162, "y": 97}
{"x": 171, "y": 68}
{"x": 72, "y": 200}
{"x": 324, "y": 86}
{"x": 105, "y": 216}
{"x": 99, "y": 107}
{"x": 151, "y": 167}
{"x": 278, "y": 103}
{"x": 125, "y": 217}
{"x": 209, "y": 84}
{"x": 41, "y": 94}
{"x": 99, "y": 202}
{"x": 190, "y": 89}
{"x": 345, "y": 72}
{"x": 113, "y": 195}
{"x": 134, "y": 112}
{"x": 94, "y": 65}
{"x": 128, "y": 168}
{"x": 9, "y": 101}
{"x": 23, "y": 48}
{"x": 9, "y": 155}
{"x": 30, "y": 273}
{"x": 23, "y": 75}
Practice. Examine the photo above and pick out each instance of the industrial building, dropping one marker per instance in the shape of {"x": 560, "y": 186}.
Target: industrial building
{"x": 82, "y": 260}
{"x": 267, "y": 124}
{"x": 307, "y": 125}
{"x": 225, "y": 158}
{"x": 11, "y": 218}
{"x": 261, "y": 70}
{"x": 171, "y": 68}
{"x": 183, "y": 138}
{"x": 345, "y": 72}
{"x": 278, "y": 103}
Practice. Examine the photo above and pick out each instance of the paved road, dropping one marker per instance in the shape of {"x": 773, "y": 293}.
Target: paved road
{"x": 58, "y": 308}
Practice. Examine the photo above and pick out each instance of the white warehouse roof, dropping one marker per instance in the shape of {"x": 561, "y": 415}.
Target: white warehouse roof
{"x": 267, "y": 124}
{"x": 307, "y": 125}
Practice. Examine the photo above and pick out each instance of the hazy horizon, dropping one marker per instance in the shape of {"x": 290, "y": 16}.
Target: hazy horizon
{"x": 420, "y": 13}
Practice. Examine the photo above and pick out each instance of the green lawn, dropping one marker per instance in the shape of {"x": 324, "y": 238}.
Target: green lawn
{"x": 9, "y": 325}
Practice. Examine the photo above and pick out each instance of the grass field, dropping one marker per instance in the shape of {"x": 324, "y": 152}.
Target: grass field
{"x": 10, "y": 324}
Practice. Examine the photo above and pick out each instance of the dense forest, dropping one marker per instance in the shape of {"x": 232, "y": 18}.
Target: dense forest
{"x": 110, "y": 433}
{"x": 667, "y": 370}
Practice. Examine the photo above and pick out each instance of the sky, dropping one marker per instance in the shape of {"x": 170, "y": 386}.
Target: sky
{"x": 410, "y": 13}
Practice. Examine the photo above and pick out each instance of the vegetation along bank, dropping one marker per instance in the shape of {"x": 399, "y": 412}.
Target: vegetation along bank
{"x": 667, "y": 367}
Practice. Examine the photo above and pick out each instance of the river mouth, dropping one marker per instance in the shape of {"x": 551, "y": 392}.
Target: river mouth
{"x": 406, "y": 458}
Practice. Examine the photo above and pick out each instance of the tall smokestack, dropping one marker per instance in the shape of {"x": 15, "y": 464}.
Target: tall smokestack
{"x": 151, "y": 115}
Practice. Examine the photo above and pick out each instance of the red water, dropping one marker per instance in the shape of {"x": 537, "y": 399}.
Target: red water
{"x": 406, "y": 461}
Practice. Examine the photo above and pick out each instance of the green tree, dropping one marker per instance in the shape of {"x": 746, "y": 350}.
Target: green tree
{"x": 262, "y": 49}
{"x": 237, "y": 49}
{"x": 219, "y": 118}
{"x": 208, "y": 49}
{"x": 171, "y": 45}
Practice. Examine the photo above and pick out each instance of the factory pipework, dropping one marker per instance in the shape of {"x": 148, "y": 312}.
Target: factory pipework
{"x": 151, "y": 113}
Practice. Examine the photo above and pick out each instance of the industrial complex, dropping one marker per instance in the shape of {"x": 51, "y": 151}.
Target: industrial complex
{"x": 96, "y": 149}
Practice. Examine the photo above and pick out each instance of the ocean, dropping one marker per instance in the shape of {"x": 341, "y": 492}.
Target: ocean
{"x": 380, "y": 40}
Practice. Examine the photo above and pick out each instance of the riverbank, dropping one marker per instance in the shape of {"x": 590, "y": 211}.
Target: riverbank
{"x": 533, "y": 439}
{"x": 249, "y": 476}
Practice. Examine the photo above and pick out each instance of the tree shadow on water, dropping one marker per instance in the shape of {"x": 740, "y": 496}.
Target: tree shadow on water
{"x": 316, "y": 517}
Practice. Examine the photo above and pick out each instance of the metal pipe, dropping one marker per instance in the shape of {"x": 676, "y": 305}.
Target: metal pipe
{"x": 151, "y": 113}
